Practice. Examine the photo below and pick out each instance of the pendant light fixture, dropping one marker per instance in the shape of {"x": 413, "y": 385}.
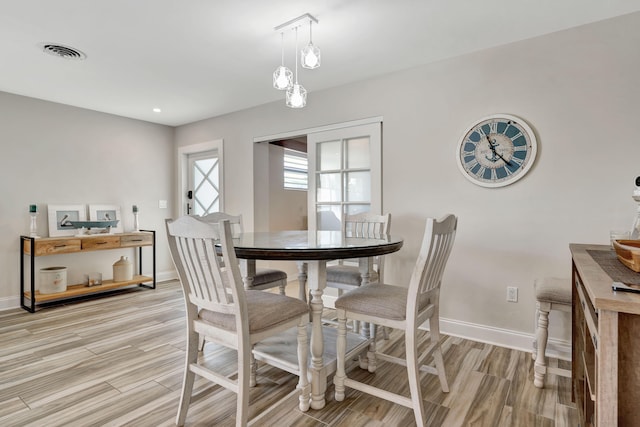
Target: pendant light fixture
{"x": 296, "y": 94}
{"x": 310, "y": 54}
{"x": 283, "y": 78}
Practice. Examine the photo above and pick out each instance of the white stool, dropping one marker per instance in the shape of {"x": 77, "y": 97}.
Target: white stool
{"x": 551, "y": 294}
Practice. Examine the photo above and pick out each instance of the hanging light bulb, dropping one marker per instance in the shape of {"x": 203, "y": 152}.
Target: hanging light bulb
{"x": 296, "y": 94}
{"x": 282, "y": 76}
{"x": 310, "y": 54}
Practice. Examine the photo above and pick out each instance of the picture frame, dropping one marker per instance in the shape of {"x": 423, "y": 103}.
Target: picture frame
{"x": 59, "y": 215}
{"x": 106, "y": 212}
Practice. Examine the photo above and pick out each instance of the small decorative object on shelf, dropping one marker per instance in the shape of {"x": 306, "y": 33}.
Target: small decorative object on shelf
{"x": 122, "y": 270}
{"x": 93, "y": 227}
{"x": 95, "y": 279}
{"x": 136, "y": 224}
{"x": 33, "y": 229}
{"x": 53, "y": 280}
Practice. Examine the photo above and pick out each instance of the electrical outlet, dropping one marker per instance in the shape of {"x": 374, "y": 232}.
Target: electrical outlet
{"x": 512, "y": 294}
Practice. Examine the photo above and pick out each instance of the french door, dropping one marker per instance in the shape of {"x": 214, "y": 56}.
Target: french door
{"x": 345, "y": 174}
{"x": 204, "y": 190}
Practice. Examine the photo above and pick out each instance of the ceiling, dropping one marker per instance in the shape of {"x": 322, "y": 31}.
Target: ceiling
{"x": 196, "y": 59}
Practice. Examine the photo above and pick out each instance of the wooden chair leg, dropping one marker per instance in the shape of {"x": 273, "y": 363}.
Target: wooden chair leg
{"x": 245, "y": 355}
{"x": 413, "y": 372}
{"x": 201, "y": 342}
{"x": 252, "y": 370}
{"x": 372, "y": 363}
{"x": 303, "y": 362}
{"x": 434, "y": 331}
{"x": 302, "y": 282}
{"x": 189, "y": 378}
{"x": 542, "y": 334}
{"x": 534, "y": 351}
{"x": 341, "y": 349}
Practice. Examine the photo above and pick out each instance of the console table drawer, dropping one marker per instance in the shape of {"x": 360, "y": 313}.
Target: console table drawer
{"x": 96, "y": 243}
{"x": 52, "y": 247}
{"x": 136, "y": 240}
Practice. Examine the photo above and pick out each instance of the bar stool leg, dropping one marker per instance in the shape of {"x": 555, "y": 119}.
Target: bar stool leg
{"x": 542, "y": 334}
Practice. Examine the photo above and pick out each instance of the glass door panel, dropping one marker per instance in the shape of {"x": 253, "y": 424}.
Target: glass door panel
{"x": 329, "y": 187}
{"x": 358, "y": 186}
{"x": 358, "y": 153}
{"x": 328, "y": 217}
{"x": 330, "y": 155}
{"x": 204, "y": 183}
{"x": 345, "y": 169}
{"x": 357, "y": 209}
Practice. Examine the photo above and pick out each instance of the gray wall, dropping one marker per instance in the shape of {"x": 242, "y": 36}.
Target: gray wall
{"x": 57, "y": 154}
{"x": 579, "y": 91}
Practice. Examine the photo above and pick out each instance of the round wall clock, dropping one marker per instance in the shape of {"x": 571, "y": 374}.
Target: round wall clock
{"x": 497, "y": 150}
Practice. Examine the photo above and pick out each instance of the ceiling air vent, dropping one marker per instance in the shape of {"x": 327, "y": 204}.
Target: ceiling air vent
{"x": 61, "y": 51}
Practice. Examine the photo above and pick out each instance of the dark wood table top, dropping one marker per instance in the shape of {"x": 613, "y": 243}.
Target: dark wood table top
{"x": 308, "y": 245}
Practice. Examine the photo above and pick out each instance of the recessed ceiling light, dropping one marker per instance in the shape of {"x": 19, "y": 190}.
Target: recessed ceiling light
{"x": 157, "y": 110}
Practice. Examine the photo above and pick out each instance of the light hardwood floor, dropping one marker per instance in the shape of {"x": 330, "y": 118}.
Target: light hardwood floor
{"x": 119, "y": 360}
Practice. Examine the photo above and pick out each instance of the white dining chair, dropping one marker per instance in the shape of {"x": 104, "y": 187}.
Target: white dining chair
{"x": 264, "y": 278}
{"x": 345, "y": 276}
{"x": 405, "y": 309}
{"x": 219, "y": 308}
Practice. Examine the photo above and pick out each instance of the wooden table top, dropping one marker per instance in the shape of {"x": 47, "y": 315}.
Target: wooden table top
{"x": 598, "y": 283}
{"x": 309, "y": 245}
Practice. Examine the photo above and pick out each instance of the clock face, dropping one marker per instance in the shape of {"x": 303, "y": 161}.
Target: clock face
{"x": 496, "y": 150}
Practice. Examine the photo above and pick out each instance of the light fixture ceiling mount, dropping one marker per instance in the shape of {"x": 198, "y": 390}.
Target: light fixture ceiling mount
{"x": 283, "y": 78}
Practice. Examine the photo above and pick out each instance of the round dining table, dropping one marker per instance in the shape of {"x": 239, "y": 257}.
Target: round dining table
{"x": 312, "y": 250}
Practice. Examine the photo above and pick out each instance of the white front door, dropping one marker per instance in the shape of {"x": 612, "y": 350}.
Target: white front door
{"x": 204, "y": 183}
{"x": 345, "y": 174}
{"x": 200, "y": 176}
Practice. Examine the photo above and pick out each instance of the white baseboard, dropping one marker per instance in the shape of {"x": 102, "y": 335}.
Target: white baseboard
{"x": 8, "y": 303}
{"x": 496, "y": 336}
{"x": 503, "y": 337}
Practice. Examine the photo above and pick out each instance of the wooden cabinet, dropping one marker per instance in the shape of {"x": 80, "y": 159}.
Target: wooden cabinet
{"x": 30, "y": 248}
{"x": 606, "y": 343}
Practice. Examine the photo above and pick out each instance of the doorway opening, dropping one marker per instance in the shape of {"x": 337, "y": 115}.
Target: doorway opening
{"x": 287, "y": 190}
{"x": 344, "y": 176}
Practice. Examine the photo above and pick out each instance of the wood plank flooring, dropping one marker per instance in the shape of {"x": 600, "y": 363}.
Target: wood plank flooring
{"x": 118, "y": 361}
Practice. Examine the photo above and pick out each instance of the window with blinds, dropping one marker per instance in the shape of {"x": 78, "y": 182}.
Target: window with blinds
{"x": 295, "y": 170}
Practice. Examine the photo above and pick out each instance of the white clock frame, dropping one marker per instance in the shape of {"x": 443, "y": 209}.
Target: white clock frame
{"x": 530, "y": 137}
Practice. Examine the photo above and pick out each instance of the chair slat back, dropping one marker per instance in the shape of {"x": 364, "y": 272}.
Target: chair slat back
{"x": 235, "y": 220}
{"x": 206, "y": 280}
{"x": 436, "y": 247}
{"x": 366, "y": 225}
